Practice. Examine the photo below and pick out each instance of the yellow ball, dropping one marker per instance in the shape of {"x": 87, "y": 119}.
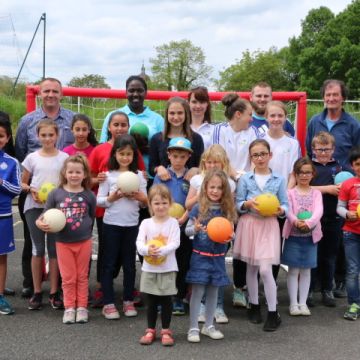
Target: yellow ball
{"x": 128, "y": 182}
{"x": 268, "y": 204}
{"x": 176, "y": 210}
{"x": 155, "y": 260}
{"x": 44, "y": 191}
{"x": 56, "y": 219}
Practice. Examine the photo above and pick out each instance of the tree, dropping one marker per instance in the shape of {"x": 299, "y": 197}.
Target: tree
{"x": 89, "y": 81}
{"x": 254, "y": 67}
{"x": 179, "y": 65}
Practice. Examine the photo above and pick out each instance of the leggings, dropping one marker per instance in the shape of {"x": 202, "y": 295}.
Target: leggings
{"x": 153, "y": 301}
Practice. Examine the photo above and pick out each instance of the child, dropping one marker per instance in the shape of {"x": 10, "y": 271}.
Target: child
{"x": 348, "y": 208}
{"x": 179, "y": 151}
{"x": 323, "y": 146}
{"x": 42, "y": 166}
{"x": 84, "y": 135}
{"x": 9, "y": 188}
{"x": 207, "y": 267}
{"x": 158, "y": 281}
{"x": 257, "y": 240}
{"x": 73, "y": 244}
{"x": 214, "y": 158}
{"x": 301, "y": 236}
{"x": 120, "y": 226}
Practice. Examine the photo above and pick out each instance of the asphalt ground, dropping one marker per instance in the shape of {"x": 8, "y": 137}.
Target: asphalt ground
{"x": 41, "y": 334}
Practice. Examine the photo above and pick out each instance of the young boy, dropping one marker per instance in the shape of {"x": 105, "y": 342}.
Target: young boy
{"x": 179, "y": 151}
{"x": 348, "y": 208}
{"x": 323, "y": 146}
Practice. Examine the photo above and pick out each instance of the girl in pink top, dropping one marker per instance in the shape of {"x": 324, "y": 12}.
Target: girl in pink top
{"x": 302, "y": 231}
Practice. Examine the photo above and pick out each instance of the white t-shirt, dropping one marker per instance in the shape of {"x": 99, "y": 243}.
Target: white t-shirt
{"x": 285, "y": 150}
{"x": 198, "y": 179}
{"x": 206, "y": 131}
{"x": 43, "y": 169}
{"x": 169, "y": 231}
{"x": 236, "y": 144}
{"x": 122, "y": 212}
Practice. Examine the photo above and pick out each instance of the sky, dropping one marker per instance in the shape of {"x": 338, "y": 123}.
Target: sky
{"x": 113, "y": 38}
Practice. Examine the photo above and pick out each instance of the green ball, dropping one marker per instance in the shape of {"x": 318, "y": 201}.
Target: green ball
{"x": 140, "y": 128}
{"x": 304, "y": 215}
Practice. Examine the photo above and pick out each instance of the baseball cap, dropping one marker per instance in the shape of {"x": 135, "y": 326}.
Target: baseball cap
{"x": 180, "y": 143}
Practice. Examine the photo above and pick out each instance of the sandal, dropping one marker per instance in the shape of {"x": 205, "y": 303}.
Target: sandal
{"x": 149, "y": 337}
{"x": 166, "y": 337}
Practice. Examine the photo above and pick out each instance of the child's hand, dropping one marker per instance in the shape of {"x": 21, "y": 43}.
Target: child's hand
{"x": 153, "y": 250}
{"x": 162, "y": 173}
{"x": 35, "y": 195}
{"x": 230, "y": 238}
{"x": 352, "y": 216}
{"x": 198, "y": 226}
{"x": 301, "y": 225}
{"x": 42, "y": 225}
{"x": 280, "y": 212}
{"x": 116, "y": 195}
{"x": 251, "y": 204}
{"x": 101, "y": 177}
{"x": 333, "y": 189}
{"x": 182, "y": 219}
{"x": 25, "y": 187}
{"x": 192, "y": 172}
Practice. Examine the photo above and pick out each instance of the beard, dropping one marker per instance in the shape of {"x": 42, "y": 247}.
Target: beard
{"x": 258, "y": 110}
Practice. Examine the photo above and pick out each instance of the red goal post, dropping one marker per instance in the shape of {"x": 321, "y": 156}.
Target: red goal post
{"x": 298, "y": 97}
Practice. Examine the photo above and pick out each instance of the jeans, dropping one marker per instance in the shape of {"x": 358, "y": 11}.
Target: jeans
{"x": 119, "y": 242}
{"x": 352, "y": 256}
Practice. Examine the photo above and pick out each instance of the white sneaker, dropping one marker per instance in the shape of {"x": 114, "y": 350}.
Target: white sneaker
{"x": 201, "y": 317}
{"x": 82, "y": 315}
{"x": 129, "y": 309}
{"x": 220, "y": 316}
{"x": 193, "y": 335}
{"x": 305, "y": 311}
{"x": 212, "y": 333}
{"x": 110, "y": 312}
{"x": 294, "y": 310}
{"x": 69, "y": 316}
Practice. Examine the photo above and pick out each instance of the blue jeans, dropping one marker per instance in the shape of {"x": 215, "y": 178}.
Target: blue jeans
{"x": 352, "y": 256}
{"x": 119, "y": 243}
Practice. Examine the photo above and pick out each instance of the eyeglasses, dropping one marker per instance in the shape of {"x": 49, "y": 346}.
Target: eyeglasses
{"x": 323, "y": 150}
{"x": 259, "y": 155}
{"x": 305, "y": 173}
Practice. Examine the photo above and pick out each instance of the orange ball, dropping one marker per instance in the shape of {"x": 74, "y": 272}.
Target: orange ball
{"x": 219, "y": 229}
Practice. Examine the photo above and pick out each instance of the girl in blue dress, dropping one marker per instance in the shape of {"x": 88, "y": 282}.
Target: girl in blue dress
{"x": 207, "y": 265}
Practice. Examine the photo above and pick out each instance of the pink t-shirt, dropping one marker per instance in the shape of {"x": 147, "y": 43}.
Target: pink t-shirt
{"x": 72, "y": 150}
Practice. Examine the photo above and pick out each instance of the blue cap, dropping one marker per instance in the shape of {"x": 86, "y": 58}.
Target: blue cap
{"x": 180, "y": 143}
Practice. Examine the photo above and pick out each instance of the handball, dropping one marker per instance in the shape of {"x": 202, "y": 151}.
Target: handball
{"x": 56, "y": 220}
{"x": 140, "y": 128}
{"x": 128, "y": 182}
{"x": 342, "y": 176}
{"x": 219, "y": 229}
{"x": 155, "y": 260}
{"x": 268, "y": 204}
{"x": 304, "y": 215}
{"x": 176, "y": 210}
{"x": 44, "y": 191}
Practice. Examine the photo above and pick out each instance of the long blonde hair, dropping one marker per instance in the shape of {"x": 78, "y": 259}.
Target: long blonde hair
{"x": 226, "y": 202}
{"x": 217, "y": 153}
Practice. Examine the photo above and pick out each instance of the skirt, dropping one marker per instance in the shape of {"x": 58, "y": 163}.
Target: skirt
{"x": 160, "y": 284}
{"x": 299, "y": 252}
{"x": 7, "y": 243}
{"x": 257, "y": 240}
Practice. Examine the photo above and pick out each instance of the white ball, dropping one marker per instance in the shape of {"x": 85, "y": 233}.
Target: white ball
{"x": 128, "y": 182}
{"x": 56, "y": 219}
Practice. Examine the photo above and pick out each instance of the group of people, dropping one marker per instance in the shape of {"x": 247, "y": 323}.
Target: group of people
{"x": 188, "y": 171}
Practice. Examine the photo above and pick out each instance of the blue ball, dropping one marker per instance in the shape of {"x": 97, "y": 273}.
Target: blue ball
{"x": 342, "y": 176}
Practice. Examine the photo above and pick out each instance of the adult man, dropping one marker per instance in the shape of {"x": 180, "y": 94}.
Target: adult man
{"x": 26, "y": 142}
{"x": 261, "y": 94}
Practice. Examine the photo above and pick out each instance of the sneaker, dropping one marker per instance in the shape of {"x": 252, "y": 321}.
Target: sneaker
{"x": 239, "y": 298}
{"x": 304, "y": 310}
{"x": 294, "y": 310}
{"x": 110, "y": 312}
{"x": 129, "y": 309}
{"x": 97, "y": 299}
{"x": 272, "y": 322}
{"x": 5, "y": 307}
{"x": 310, "y": 302}
{"x": 340, "y": 290}
{"x": 201, "y": 317}
{"x": 82, "y": 315}
{"x": 35, "y": 302}
{"x": 178, "y": 307}
{"x": 56, "y": 301}
{"x": 220, "y": 316}
{"x": 328, "y": 298}
{"x": 69, "y": 316}
{"x": 9, "y": 292}
{"x": 352, "y": 312}
{"x": 212, "y": 333}
{"x": 193, "y": 335}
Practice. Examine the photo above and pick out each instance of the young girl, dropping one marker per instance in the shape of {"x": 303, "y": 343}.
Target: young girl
{"x": 98, "y": 162}
{"x": 120, "y": 225}
{"x": 158, "y": 281}
{"x": 73, "y": 244}
{"x": 84, "y": 135}
{"x": 301, "y": 236}
{"x": 9, "y": 188}
{"x": 207, "y": 265}
{"x": 257, "y": 240}
{"x": 42, "y": 166}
